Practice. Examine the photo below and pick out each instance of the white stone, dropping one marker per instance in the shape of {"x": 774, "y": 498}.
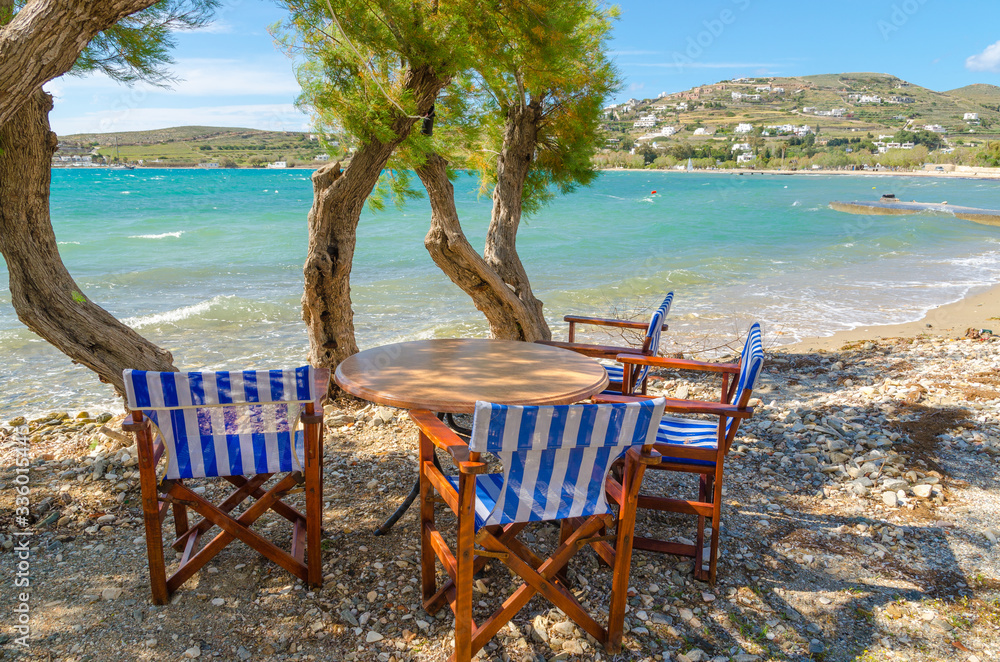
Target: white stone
{"x": 192, "y": 652}
{"x": 373, "y": 636}
{"x": 922, "y": 491}
{"x": 218, "y": 602}
{"x": 111, "y": 594}
{"x": 890, "y": 499}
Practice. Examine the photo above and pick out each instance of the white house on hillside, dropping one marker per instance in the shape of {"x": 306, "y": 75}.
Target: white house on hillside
{"x": 743, "y": 127}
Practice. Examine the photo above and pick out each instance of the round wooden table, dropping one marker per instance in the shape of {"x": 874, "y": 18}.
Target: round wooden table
{"x": 450, "y": 374}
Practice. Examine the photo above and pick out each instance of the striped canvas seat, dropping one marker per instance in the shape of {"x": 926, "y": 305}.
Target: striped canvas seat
{"x": 555, "y": 458}
{"x": 616, "y": 372}
{"x": 703, "y": 433}
{"x": 226, "y": 423}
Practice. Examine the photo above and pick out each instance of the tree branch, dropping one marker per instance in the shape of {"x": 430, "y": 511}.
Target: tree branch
{"x": 44, "y": 40}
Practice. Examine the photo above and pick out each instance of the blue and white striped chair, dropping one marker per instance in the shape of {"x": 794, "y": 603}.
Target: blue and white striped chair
{"x": 228, "y": 425}
{"x": 698, "y": 445}
{"x": 650, "y": 345}
{"x": 555, "y": 461}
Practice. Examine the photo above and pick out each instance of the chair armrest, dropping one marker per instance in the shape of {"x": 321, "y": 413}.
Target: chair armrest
{"x": 595, "y": 351}
{"x": 445, "y": 438}
{"x": 605, "y": 321}
{"x": 682, "y": 406}
{"x": 651, "y": 457}
{"x": 129, "y": 424}
{"x": 678, "y": 364}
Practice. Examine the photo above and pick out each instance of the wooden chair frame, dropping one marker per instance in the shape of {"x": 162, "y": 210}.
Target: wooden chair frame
{"x": 541, "y": 576}
{"x": 606, "y": 351}
{"x": 303, "y": 560}
{"x": 709, "y": 502}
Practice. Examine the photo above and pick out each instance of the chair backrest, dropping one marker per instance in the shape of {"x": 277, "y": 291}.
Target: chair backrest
{"x": 652, "y": 341}
{"x": 751, "y": 364}
{"x": 556, "y": 458}
{"x": 227, "y": 423}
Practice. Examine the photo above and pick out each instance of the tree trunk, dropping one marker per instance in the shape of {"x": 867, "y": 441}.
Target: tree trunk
{"x": 338, "y": 199}
{"x": 514, "y": 162}
{"x": 46, "y": 298}
{"x": 446, "y": 242}
{"x": 45, "y": 38}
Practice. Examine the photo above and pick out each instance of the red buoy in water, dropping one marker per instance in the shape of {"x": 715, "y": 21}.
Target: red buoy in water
{"x": 652, "y": 192}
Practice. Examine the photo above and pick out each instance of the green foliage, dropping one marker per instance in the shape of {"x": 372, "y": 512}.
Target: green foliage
{"x": 500, "y": 58}
{"x": 137, "y": 48}
{"x": 358, "y": 55}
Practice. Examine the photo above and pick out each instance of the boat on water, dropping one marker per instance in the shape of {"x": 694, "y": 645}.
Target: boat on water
{"x": 890, "y": 205}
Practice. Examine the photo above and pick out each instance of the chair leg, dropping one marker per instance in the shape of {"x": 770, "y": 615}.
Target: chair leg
{"x": 151, "y": 519}
{"x": 699, "y": 544}
{"x": 464, "y": 560}
{"x": 314, "y": 503}
{"x": 625, "y": 529}
{"x": 428, "y": 579}
{"x": 181, "y": 525}
{"x": 716, "y": 524}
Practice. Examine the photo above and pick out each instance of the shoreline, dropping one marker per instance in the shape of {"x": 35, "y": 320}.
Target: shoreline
{"x": 977, "y": 310}
{"x": 990, "y": 176}
{"x": 822, "y": 173}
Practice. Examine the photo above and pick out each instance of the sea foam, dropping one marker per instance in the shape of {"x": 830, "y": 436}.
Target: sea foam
{"x": 157, "y": 236}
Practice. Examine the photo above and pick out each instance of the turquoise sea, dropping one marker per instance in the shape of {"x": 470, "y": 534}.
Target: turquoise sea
{"x": 208, "y": 263}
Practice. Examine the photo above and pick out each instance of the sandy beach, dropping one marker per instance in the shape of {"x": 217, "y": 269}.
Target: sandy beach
{"x": 980, "y": 173}
{"x": 978, "y": 311}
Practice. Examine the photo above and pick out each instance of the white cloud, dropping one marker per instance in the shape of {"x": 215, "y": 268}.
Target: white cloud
{"x": 988, "y": 60}
{"x": 695, "y": 64}
{"x": 268, "y": 117}
{"x": 616, "y": 53}
{"x": 199, "y": 78}
{"x": 215, "y": 27}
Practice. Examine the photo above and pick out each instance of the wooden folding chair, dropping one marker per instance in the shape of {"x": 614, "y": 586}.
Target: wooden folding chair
{"x": 697, "y": 446}
{"x": 650, "y": 345}
{"x": 555, "y": 460}
{"x": 228, "y": 425}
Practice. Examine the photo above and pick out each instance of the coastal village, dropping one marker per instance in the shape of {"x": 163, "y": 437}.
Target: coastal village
{"x": 829, "y": 122}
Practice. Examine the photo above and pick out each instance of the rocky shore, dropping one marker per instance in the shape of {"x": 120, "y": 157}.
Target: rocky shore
{"x": 861, "y": 520}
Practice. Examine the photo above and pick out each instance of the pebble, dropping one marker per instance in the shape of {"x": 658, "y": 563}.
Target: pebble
{"x": 218, "y": 602}
{"x": 373, "y": 636}
{"x": 192, "y": 652}
{"x": 111, "y": 594}
{"x": 922, "y": 491}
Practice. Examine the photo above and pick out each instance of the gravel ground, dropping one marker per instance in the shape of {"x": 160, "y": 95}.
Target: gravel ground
{"x": 860, "y": 522}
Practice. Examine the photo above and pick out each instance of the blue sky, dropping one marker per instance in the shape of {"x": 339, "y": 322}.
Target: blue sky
{"x": 231, "y": 74}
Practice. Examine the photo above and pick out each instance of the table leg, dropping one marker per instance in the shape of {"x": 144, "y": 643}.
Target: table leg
{"x": 411, "y": 497}
{"x": 403, "y": 507}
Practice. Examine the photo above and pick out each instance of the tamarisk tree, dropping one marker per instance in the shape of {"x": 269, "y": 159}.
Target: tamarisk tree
{"x": 372, "y": 70}
{"x": 537, "y": 87}
{"x": 129, "y": 40}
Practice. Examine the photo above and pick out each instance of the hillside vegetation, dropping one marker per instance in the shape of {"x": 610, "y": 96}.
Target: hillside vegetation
{"x": 193, "y": 145}
{"x": 846, "y": 120}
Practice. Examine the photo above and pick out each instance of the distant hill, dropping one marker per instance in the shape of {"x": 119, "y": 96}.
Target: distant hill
{"x": 161, "y": 135}
{"x": 193, "y": 145}
{"x": 981, "y": 93}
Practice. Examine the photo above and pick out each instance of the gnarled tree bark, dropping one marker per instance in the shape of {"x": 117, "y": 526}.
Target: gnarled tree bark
{"x": 45, "y": 296}
{"x": 338, "y": 199}
{"x": 519, "y": 144}
{"x": 508, "y": 315}
{"x": 45, "y": 38}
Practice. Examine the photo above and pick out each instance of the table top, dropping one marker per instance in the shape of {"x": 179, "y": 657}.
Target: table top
{"x": 451, "y": 374}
